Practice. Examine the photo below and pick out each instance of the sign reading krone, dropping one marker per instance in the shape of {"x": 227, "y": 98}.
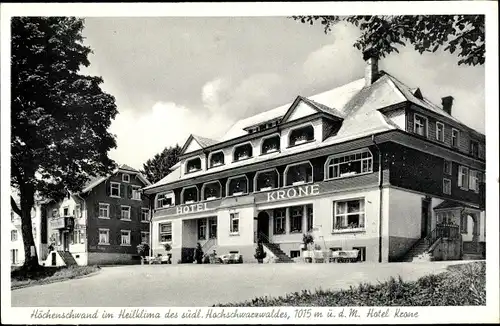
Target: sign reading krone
{"x": 301, "y": 191}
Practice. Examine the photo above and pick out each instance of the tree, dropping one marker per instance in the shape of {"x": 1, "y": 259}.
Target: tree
{"x": 158, "y": 167}
{"x": 427, "y": 33}
{"x": 59, "y": 117}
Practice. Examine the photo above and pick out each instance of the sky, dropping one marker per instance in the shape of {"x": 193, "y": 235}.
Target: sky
{"x": 175, "y": 76}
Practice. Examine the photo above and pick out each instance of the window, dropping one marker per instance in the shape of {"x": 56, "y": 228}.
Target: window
{"x": 145, "y": 215}
{"x": 279, "y": 221}
{"x": 136, "y": 194}
{"x": 242, "y": 152}
{"x": 126, "y": 177}
{"x": 66, "y": 211}
{"x": 144, "y": 237}
{"x": 212, "y": 227}
{"x": 166, "y": 232}
{"x": 234, "y": 223}
{"x": 447, "y": 167}
{"x": 165, "y": 200}
{"x": 13, "y": 256}
{"x": 349, "y": 214}
{"x": 211, "y": 190}
{"x": 440, "y": 131}
{"x": 202, "y": 229}
{"x": 420, "y": 125}
{"x": 310, "y": 217}
{"x": 301, "y": 135}
{"x": 455, "y": 134}
{"x": 463, "y": 223}
{"x": 189, "y": 195}
{"x": 125, "y": 238}
{"x": 125, "y": 214}
{"x": 361, "y": 253}
{"x": 297, "y": 213}
{"x": 294, "y": 253}
{"x": 55, "y": 212}
{"x": 103, "y": 210}
{"x": 13, "y": 235}
{"x": 75, "y": 239}
{"x": 463, "y": 177}
{"x": 114, "y": 189}
{"x": 300, "y": 173}
{"x": 237, "y": 186}
{"x": 78, "y": 211}
{"x": 474, "y": 148}
{"x": 481, "y": 153}
{"x": 266, "y": 180}
{"x": 193, "y": 165}
{"x": 103, "y": 236}
{"x": 270, "y": 145}
{"x": 473, "y": 180}
{"x": 216, "y": 159}
{"x": 346, "y": 165}
{"x": 447, "y": 186}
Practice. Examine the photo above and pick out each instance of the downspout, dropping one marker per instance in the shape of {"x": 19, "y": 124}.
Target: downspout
{"x": 151, "y": 206}
{"x": 84, "y": 209}
{"x": 380, "y": 181}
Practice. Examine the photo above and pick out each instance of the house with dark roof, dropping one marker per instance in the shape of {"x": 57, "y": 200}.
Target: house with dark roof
{"x": 371, "y": 167}
{"x": 102, "y": 224}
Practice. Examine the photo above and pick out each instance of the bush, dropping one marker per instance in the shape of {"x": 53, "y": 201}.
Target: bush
{"x": 461, "y": 285}
{"x": 24, "y": 277}
{"x": 143, "y": 249}
{"x": 307, "y": 239}
{"x": 167, "y": 247}
{"x": 259, "y": 252}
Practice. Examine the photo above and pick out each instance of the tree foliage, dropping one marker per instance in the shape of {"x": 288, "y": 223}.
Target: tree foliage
{"x": 159, "y": 166}
{"x": 460, "y": 34}
{"x": 59, "y": 117}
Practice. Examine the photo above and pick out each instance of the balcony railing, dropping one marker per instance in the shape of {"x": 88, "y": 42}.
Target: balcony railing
{"x": 443, "y": 231}
{"x": 65, "y": 222}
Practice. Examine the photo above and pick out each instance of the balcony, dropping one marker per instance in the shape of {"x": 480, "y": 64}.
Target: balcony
{"x": 65, "y": 222}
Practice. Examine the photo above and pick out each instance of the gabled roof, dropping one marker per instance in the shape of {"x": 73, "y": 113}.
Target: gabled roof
{"x": 452, "y": 204}
{"x": 318, "y": 107}
{"x": 95, "y": 181}
{"x": 203, "y": 142}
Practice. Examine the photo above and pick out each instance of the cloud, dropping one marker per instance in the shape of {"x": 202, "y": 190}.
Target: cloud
{"x": 141, "y": 137}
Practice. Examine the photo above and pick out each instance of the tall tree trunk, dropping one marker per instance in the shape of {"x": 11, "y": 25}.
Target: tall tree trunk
{"x": 27, "y": 194}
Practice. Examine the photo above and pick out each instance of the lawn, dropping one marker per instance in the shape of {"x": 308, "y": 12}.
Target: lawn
{"x": 460, "y": 285}
{"x": 21, "y": 277}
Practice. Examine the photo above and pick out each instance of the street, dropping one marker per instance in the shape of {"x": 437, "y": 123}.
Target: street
{"x": 191, "y": 285}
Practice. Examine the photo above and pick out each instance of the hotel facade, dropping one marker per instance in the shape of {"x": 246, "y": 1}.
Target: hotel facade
{"x": 371, "y": 165}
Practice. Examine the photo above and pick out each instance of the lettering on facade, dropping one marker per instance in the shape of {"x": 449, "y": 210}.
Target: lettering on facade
{"x": 302, "y": 191}
{"x": 195, "y": 208}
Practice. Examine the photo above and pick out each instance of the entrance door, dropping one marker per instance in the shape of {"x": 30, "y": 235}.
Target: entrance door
{"x": 263, "y": 226}
{"x": 426, "y": 203}
{"x": 66, "y": 241}
{"x": 53, "y": 262}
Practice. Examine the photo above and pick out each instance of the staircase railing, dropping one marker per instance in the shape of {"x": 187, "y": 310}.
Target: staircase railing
{"x": 209, "y": 244}
{"x": 263, "y": 238}
{"x": 448, "y": 231}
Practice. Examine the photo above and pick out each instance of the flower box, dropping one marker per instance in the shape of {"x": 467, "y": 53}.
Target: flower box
{"x": 271, "y": 150}
{"x": 214, "y": 164}
{"x": 300, "y": 141}
{"x": 298, "y": 183}
{"x": 238, "y": 193}
{"x": 266, "y": 188}
{"x": 189, "y": 202}
{"x": 211, "y": 198}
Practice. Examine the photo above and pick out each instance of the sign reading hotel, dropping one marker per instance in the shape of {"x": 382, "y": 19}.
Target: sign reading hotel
{"x": 295, "y": 192}
{"x": 195, "y": 208}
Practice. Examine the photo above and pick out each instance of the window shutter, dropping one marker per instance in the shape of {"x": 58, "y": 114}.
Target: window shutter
{"x": 96, "y": 209}
{"x": 460, "y": 176}
{"x": 122, "y": 191}
{"x": 129, "y": 191}
{"x": 107, "y": 185}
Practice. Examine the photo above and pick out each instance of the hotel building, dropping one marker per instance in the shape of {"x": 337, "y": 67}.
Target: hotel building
{"x": 371, "y": 165}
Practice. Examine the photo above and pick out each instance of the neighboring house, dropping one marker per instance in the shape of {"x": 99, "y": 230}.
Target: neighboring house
{"x": 103, "y": 224}
{"x": 39, "y": 236}
{"x": 371, "y": 165}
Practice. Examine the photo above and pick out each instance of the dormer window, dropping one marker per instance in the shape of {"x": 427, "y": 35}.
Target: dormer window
{"x": 126, "y": 177}
{"x": 242, "y": 152}
{"x": 193, "y": 165}
{"x": 301, "y": 135}
{"x": 211, "y": 190}
{"x": 420, "y": 125}
{"x": 216, "y": 159}
{"x": 300, "y": 173}
{"x": 266, "y": 180}
{"x": 271, "y": 145}
{"x": 164, "y": 200}
{"x": 189, "y": 195}
{"x": 237, "y": 186}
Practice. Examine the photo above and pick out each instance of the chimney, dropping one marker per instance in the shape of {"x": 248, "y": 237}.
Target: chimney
{"x": 371, "y": 68}
{"x": 447, "y": 103}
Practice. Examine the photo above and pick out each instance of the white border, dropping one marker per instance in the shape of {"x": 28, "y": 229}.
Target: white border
{"x": 433, "y": 315}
